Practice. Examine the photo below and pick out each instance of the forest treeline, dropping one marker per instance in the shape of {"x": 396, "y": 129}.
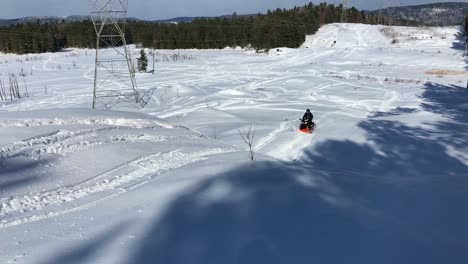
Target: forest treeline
{"x": 276, "y": 28}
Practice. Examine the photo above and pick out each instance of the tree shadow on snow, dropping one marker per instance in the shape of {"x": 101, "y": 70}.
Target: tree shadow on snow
{"x": 18, "y": 172}
{"x": 452, "y": 103}
{"x": 270, "y": 213}
{"x": 446, "y": 100}
{"x": 395, "y": 112}
{"x": 344, "y": 203}
{"x": 400, "y": 198}
{"x": 459, "y": 43}
{"x": 87, "y": 251}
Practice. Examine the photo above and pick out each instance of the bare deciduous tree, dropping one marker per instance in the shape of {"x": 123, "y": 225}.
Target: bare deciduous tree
{"x": 248, "y": 138}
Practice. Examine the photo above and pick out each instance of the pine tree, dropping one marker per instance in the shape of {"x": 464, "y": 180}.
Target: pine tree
{"x": 142, "y": 61}
{"x": 276, "y": 28}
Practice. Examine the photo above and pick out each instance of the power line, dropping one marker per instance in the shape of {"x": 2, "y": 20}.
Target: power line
{"x": 437, "y": 12}
{"x": 344, "y": 12}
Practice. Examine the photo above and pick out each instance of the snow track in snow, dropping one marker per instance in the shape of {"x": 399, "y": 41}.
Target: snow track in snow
{"x": 72, "y": 137}
{"x": 63, "y": 142}
{"x": 137, "y": 123}
{"x": 117, "y": 180}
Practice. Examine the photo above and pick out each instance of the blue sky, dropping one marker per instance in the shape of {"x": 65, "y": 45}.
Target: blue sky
{"x": 162, "y": 9}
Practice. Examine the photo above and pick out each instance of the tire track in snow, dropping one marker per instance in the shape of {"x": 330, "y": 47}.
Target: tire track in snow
{"x": 270, "y": 137}
{"x": 111, "y": 183}
{"x": 384, "y": 105}
{"x": 63, "y": 142}
{"x": 293, "y": 148}
{"x": 124, "y": 122}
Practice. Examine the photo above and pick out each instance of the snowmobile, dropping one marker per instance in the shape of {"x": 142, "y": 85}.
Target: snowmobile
{"x": 304, "y": 128}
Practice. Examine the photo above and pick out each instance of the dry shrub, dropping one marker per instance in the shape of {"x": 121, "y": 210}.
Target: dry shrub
{"x": 410, "y": 33}
{"x": 439, "y": 72}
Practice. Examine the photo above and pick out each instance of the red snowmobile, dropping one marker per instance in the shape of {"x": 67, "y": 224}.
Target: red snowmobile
{"x": 306, "y": 126}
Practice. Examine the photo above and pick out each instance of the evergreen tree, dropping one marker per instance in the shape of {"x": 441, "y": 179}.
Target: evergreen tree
{"x": 142, "y": 61}
{"x": 276, "y": 28}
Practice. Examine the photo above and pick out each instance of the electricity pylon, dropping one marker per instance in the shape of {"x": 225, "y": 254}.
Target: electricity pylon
{"x": 344, "y": 11}
{"x": 436, "y": 12}
{"x": 114, "y": 75}
{"x": 389, "y": 6}
{"x": 392, "y": 6}
{"x": 380, "y": 18}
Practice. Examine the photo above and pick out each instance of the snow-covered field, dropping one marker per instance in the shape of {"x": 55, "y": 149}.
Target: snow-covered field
{"x": 384, "y": 178}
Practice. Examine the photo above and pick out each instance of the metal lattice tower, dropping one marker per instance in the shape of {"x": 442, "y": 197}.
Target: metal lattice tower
{"x": 392, "y": 6}
{"x": 380, "y": 18}
{"x": 436, "y": 12}
{"x": 387, "y": 6}
{"x": 114, "y": 76}
{"x": 344, "y": 12}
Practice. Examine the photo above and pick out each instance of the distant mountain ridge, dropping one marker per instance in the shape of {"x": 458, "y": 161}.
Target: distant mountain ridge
{"x": 441, "y": 14}
{"x": 41, "y": 19}
{"x": 54, "y": 19}
{"x": 435, "y": 14}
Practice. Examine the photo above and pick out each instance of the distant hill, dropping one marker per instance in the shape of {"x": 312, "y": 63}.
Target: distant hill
{"x": 440, "y": 14}
{"x": 176, "y": 20}
{"x": 7, "y": 22}
{"x": 41, "y": 19}
{"x": 52, "y": 19}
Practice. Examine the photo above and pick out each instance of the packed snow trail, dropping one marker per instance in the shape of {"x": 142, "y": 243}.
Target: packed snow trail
{"x": 85, "y": 135}
{"x": 113, "y": 182}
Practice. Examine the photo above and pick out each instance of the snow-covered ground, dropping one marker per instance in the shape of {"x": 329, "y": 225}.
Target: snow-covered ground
{"x": 384, "y": 178}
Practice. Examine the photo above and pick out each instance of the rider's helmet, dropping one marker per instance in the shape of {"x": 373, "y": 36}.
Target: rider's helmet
{"x": 308, "y": 111}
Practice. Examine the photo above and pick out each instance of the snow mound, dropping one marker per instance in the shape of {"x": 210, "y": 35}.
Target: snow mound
{"x": 346, "y": 36}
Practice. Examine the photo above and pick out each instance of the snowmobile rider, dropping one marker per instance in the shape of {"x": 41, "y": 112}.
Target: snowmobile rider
{"x": 307, "y": 118}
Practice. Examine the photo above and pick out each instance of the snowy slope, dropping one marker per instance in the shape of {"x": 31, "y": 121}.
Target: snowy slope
{"x": 382, "y": 180}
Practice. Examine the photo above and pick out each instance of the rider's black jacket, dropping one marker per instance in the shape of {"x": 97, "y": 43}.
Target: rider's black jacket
{"x": 308, "y": 116}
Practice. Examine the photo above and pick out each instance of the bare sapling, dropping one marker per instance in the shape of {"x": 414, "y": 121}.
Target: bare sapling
{"x": 10, "y": 88}
{"x": 248, "y": 138}
{"x": 215, "y": 134}
{"x": 2, "y": 91}
{"x": 13, "y": 90}
{"x": 26, "y": 94}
